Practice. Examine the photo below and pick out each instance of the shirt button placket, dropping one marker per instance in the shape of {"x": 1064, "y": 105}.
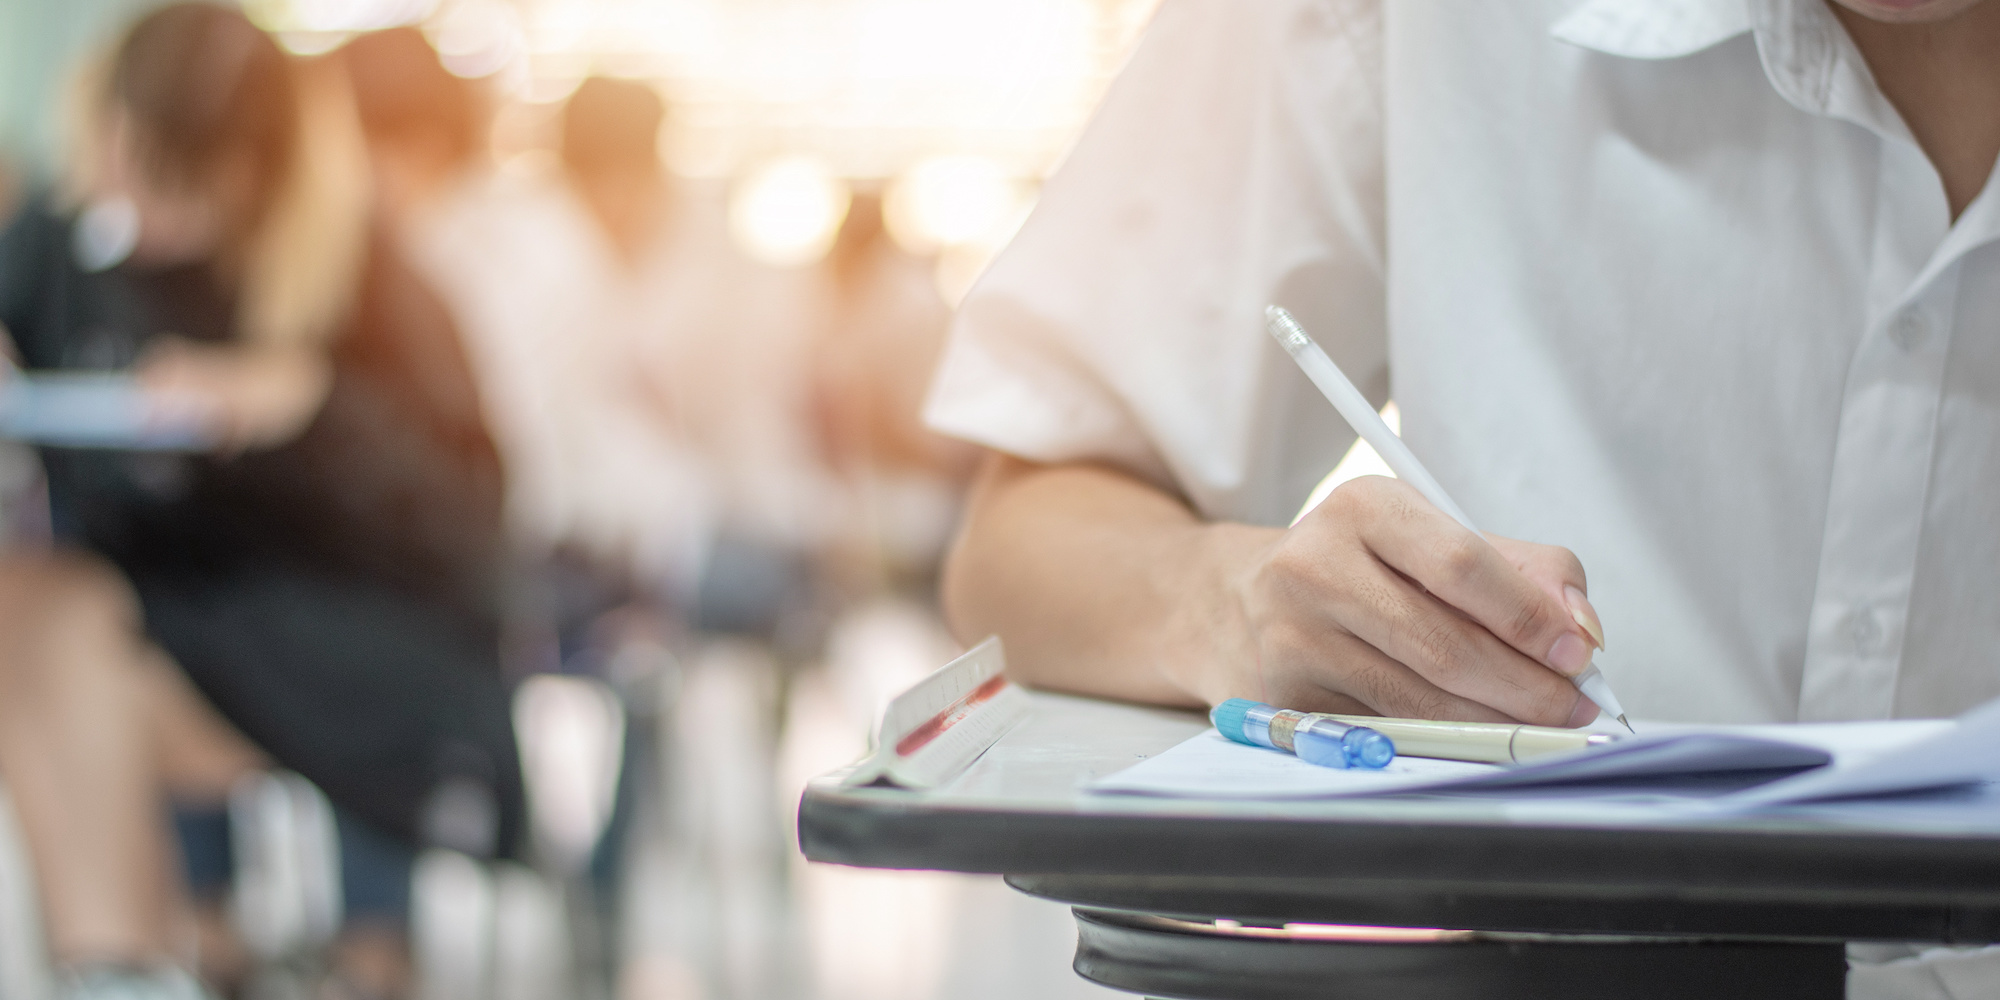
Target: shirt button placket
{"x": 1878, "y": 492}
{"x": 1875, "y": 514}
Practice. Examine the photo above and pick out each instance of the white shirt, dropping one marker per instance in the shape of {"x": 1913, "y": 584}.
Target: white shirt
{"x": 1667, "y": 282}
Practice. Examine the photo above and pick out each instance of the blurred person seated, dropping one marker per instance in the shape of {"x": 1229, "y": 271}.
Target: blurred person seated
{"x": 326, "y": 577}
{"x": 703, "y": 345}
{"x": 611, "y": 163}
{"x": 639, "y": 376}
{"x": 597, "y": 492}
{"x": 882, "y": 329}
{"x": 425, "y": 127}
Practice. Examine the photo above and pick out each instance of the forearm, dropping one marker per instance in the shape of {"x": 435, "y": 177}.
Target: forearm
{"x": 1099, "y": 583}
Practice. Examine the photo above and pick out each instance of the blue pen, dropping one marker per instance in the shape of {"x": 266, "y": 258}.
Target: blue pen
{"x": 1314, "y": 739}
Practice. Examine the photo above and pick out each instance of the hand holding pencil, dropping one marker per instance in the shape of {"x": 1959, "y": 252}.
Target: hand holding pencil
{"x": 1569, "y": 652}
{"x": 1380, "y": 602}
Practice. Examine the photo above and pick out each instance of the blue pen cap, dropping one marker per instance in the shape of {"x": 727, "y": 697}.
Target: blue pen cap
{"x": 1331, "y": 744}
{"x": 1228, "y": 718}
{"x": 1369, "y": 748}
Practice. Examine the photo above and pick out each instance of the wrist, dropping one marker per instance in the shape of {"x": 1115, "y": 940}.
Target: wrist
{"x": 1211, "y": 645}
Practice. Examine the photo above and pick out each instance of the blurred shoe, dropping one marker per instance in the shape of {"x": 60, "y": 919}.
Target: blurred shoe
{"x": 129, "y": 982}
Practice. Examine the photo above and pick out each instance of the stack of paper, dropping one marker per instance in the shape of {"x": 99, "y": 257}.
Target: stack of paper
{"x": 1745, "y": 767}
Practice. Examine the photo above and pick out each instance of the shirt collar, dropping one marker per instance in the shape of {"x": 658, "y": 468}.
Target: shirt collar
{"x": 1813, "y": 64}
{"x": 1653, "y": 29}
{"x": 1807, "y": 56}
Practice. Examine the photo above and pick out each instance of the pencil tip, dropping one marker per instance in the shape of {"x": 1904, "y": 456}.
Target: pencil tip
{"x": 1627, "y": 725}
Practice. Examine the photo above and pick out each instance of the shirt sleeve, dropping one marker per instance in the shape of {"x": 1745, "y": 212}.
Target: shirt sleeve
{"x": 1236, "y": 162}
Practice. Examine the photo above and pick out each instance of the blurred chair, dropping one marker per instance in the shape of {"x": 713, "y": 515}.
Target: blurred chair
{"x": 504, "y": 931}
{"x": 286, "y": 900}
{"x": 572, "y": 735}
{"x": 480, "y": 930}
{"x": 24, "y": 958}
{"x": 491, "y": 932}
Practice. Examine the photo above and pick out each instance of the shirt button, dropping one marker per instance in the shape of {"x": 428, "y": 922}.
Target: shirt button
{"x": 1909, "y": 330}
{"x": 1863, "y": 630}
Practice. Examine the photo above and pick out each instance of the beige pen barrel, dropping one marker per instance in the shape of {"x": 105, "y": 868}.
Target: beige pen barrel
{"x": 1485, "y": 742}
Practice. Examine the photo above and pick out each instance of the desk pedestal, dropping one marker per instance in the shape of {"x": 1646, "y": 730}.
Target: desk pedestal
{"x": 1163, "y": 957}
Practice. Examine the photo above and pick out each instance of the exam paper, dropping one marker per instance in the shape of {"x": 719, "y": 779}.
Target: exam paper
{"x": 1712, "y": 763}
{"x": 1964, "y": 754}
{"x": 1210, "y": 766}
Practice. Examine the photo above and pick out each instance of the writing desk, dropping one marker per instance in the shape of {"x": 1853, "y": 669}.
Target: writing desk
{"x": 1303, "y": 891}
{"x": 1738, "y": 907}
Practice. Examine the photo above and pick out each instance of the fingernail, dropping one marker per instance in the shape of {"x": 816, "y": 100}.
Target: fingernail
{"x": 1585, "y": 615}
{"x": 1570, "y": 654}
{"x": 1585, "y": 712}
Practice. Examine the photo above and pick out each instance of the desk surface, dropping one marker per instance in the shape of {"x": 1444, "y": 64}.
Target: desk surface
{"x": 1489, "y": 864}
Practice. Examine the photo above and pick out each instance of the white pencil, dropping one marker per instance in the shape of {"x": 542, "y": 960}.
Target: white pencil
{"x": 1368, "y": 423}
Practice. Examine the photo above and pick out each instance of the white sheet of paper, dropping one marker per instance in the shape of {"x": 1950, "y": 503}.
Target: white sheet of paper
{"x": 1210, "y": 766}
{"x": 1848, "y": 742}
{"x": 1964, "y": 753}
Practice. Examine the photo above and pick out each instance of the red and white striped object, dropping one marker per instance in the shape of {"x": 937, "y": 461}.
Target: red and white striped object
{"x": 944, "y": 722}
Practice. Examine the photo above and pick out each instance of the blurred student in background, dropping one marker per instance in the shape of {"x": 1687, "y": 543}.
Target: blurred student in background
{"x": 690, "y": 335}
{"x": 595, "y": 482}
{"x": 882, "y": 325}
{"x": 644, "y": 381}
{"x": 325, "y": 576}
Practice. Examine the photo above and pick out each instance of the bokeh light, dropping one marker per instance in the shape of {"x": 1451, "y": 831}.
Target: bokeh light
{"x": 312, "y": 27}
{"x": 871, "y": 87}
{"x": 946, "y": 201}
{"x": 957, "y": 108}
{"x": 476, "y": 38}
{"x": 337, "y": 15}
{"x": 787, "y": 212}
